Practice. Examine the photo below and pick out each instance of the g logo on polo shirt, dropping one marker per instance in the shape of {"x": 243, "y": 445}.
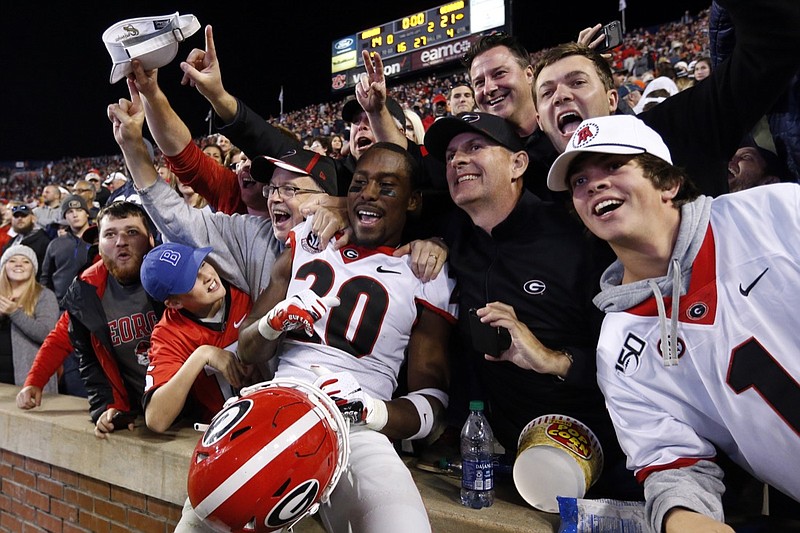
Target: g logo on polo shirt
{"x": 534, "y": 287}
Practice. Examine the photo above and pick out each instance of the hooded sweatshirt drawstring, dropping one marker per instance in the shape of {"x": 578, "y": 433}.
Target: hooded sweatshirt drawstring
{"x": 669, "y": 352}
{"x": 616, "y": 296}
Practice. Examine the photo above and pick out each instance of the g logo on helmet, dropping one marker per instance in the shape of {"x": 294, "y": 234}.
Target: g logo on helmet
{"x": 269, "y": 458}
{"x": 293, "y": 504}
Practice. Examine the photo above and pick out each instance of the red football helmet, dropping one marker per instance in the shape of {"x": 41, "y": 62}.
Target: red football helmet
{"x": 269, "y": 458}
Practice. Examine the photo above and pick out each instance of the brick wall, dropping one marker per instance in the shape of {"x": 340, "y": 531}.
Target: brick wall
{"x": 35, "y": 496}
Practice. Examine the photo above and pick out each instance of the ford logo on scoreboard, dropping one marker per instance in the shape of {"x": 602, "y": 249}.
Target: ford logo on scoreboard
{"x": 344, "y": 45}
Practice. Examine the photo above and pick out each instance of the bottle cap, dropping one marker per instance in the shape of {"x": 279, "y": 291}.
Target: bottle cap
{"x": 476, "y": 405}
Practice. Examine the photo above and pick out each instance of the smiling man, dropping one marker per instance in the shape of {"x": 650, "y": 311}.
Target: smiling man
{"x": 381, "y": 317}
{"x": 291, "y": 180}
{"x": 525, "y": 266}
{"x": 717, "y": 371}
{"x": 193, "y": 364}
{"x": 502, "y": 78}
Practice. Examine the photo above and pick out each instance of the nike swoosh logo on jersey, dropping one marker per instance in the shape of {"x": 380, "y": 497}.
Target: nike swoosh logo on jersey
{"x": 385, "y": 271}
{"x": 239, "y": 322}
{"x": 746, "y": 292}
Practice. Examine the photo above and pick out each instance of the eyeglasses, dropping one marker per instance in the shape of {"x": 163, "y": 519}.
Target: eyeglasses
{"x": 286, "y": 191}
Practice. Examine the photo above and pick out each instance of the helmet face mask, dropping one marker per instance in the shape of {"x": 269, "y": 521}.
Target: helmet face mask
{"x": 269, "y": 458}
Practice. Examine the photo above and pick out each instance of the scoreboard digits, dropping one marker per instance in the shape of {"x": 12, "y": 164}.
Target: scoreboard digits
{"x": 415, "y": 31}
{"x": 452, "y": 22}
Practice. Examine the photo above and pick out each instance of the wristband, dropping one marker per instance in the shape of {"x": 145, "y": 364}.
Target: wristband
{"x": 267, "y": 331}
{"x": 377, "y": 415}
{"x": 425, "y": 412}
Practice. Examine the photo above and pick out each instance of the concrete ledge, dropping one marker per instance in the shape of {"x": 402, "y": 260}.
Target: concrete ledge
{"x": 60, "y": 433}
{"x": 509, "y": 513}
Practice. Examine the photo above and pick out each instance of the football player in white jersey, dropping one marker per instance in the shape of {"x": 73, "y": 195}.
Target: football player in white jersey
{"x": 355, "y": 312}
{"x": 698, "y": 347}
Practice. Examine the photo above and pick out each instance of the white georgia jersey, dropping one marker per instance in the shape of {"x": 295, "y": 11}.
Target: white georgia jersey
{"x": 736, "y": 383}
{"x": 368, "y": 333}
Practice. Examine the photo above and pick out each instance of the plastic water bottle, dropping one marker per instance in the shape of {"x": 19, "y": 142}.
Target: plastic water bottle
{"x": 477, "y": 469}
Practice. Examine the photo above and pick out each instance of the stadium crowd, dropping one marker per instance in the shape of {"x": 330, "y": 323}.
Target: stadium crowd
{"x": 683, "y": 41}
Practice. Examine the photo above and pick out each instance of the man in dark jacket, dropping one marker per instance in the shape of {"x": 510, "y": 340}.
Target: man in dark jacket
{"x": 111, "y": 317}
{"x": 67, "y": 255}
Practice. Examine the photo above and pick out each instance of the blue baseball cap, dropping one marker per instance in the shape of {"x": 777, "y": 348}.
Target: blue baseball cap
{"x": 171, "y": 268}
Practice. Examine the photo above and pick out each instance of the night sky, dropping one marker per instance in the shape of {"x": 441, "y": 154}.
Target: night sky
{"x": 55, "y": 67}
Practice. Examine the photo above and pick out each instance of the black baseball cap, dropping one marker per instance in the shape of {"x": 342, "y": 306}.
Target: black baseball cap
{"x": 22, "y": 210}
{"x": 496, "y": 128}
{"x": 352, "y": 108}
{"x": 304, "y": 162}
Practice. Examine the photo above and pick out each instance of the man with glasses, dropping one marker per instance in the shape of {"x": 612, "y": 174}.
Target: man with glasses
{"x": 292, "y": 178}
{"x": 245, "y": 245}
{"x": 101, "y": 193}
{"x": 87, "y": 191}
{"x": 23, "y": 224}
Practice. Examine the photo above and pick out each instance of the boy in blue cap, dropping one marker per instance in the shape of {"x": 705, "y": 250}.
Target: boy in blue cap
{"x": 193, "y": 346}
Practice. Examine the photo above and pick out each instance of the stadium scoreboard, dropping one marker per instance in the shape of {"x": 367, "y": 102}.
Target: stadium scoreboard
{"x": 418, "y": 40}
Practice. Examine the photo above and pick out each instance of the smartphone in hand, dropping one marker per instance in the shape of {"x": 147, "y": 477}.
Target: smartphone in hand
{"x": 612, "y": 33}
{"x": 487, "y": 339}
